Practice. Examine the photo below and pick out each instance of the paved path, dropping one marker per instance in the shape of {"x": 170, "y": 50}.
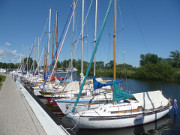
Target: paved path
{"x": 16, "y": 116}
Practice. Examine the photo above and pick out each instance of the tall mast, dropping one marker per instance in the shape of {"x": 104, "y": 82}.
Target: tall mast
{"x": 23, "y": 58}
{"x": 56, "y": 35}
{"x": 34, "y": 53}
{"x": 95, "y": 31}
{"x": 114, "y": 40}
{"x": 27, "y": 61}
{"x": 82, "y": 36}
{"x": 45, "y": 57}
{"x": 38, "y": 57}
{"x": 53, "y": 42}
{"x": 33, "y": 57}
{"x": 49, "y": 35}
{"x": 72, "y": 53}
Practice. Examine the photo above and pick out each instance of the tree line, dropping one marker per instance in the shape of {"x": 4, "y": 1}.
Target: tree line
{"x": 8, "y": 65}
{"x": 151, "y": 67}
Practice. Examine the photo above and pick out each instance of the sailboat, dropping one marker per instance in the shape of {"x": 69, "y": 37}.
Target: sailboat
{"x": 127, "y": 109}
{"x": 90, "y": 94}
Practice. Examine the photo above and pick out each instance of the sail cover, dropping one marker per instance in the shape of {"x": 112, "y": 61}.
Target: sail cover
{"x": 98, "y": 85}
{"x": 118, "y": 94}
{"x": 152, "y": 99}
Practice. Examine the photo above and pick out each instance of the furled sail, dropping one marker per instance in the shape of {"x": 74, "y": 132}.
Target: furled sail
{"x": 98, "y": 85}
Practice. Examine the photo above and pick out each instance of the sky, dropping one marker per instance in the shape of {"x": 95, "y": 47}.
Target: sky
{"x": 143, "y": 26}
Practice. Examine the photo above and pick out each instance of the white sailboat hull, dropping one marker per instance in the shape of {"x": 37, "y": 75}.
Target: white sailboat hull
{"x": 66, "y": 107}
{"x": 121, "y": 121}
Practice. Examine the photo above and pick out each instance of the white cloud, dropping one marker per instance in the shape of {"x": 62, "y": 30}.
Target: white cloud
{"x": 4, "y": 52}
{"x": 12, "y": 53}
{"x": 7, "y": 44}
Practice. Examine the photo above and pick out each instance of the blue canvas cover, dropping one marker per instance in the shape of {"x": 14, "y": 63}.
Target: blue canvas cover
{"x": 118, "y": 94}
{"x": 98, "y": 85}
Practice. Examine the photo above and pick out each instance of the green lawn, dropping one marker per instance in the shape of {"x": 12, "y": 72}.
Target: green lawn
{"x": 2, "y": 79}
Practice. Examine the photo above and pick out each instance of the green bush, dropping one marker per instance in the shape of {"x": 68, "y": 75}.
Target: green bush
{"x": 159, "y": 71}
{"x": 2, "y": 78}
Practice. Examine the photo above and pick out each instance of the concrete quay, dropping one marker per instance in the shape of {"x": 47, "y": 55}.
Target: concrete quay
{"x": 20, "y": 114}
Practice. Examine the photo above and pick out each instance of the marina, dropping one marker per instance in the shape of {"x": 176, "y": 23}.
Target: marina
{"x": 166, "y": 125}
{"x": 63, "y": 83}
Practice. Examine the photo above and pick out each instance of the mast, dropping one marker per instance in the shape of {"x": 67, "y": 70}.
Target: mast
{"x": 23, "y": 59}
{"x": 34, "y": 54}
{"x": 72, "y": 53}
{"x": 82, "y": 36}
{"x": 49, "y": 36}
{"x": 20, "y": 65}
{"x": 27, "y": 63}
{"x": 92, "y": 57}
{"x": 95, "y": 31}
{"x": 45, "y": 54}
{"x": 56, "y": 36}
{"x": 47, "y": 50}
{"x": 53, "y": 42}
{"x": 38, "y": 57}
{"x": 114, "y": 77}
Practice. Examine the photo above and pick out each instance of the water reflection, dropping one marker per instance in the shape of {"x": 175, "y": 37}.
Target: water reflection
{"x": 154, "y": 128}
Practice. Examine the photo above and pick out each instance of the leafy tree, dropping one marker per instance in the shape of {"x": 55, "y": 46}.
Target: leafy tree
{"x": 167, "y": 61}
{"x": 110, "y": 65}
{"x": 29, "y": 63}
{"x": 175, "y": 55}
{"x": 158, "y": 71}
{"x": 124, "y": 66}
{"x": 58, "y": 64}
{"x": 100, "y": 64}
{"x": 9, "y": 65}
{"x": 1, "y": 64}
{"x": 149, "y": 58}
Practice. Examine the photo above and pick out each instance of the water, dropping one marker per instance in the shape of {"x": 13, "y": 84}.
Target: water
{"x": 168, "y": 125}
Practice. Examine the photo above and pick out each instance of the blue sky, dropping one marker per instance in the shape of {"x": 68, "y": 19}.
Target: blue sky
{"x": 150, "y": 26}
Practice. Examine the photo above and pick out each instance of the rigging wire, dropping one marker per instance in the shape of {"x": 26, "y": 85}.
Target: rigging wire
{"x": 83, "y": 25}
{"x": 43, "y": 33}
{"x": 123, "y": 46}
{"x": 92, "y": 57}
{"x": 61, "y": 46}
{"x": 138, "y": 27}
{"x": 65, "y": 36}
{"x": 57, "y": 48}
{"x": 44, "y": 30}
{"x": 40, "y": 40}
